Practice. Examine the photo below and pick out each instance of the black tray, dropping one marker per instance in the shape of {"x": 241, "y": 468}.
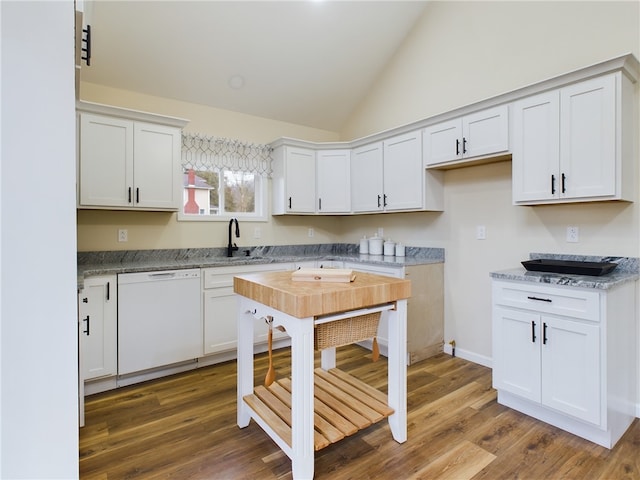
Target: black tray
{"x": 569, "y": 266}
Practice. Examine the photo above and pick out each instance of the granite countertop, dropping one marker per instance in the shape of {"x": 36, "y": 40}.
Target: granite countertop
{"x": 129, "y": 261}
{"x": 628, "y": 270}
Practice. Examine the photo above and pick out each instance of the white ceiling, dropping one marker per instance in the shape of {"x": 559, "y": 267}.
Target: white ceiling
{"x": 304, "y": 62}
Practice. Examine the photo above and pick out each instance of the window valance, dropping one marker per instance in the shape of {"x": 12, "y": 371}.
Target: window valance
{"x": 208, "y": 153}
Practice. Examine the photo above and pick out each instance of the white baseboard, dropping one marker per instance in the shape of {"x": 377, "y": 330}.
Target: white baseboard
{"x": 471, "y": 356}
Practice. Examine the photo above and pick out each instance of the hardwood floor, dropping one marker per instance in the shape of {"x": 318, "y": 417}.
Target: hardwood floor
{"x": 184, "y": 427}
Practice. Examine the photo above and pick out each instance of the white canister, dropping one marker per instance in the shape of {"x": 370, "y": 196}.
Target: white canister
{"x": 389, "y": 248}
{"x": 364, "y": 245}
{"x": 399, "y": 250}
{"x": 375, "y": 245}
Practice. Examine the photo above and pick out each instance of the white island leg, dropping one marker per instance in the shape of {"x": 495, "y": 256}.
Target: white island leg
{"x": 397, "y": 371}
{"x": 302, "y": 437}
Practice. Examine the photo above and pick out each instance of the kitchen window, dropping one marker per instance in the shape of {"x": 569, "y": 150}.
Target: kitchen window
{"x": 223, "y": 178}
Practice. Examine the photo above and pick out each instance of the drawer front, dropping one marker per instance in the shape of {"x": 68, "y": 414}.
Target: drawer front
{"x": 218, "y": 277}
{"x": 397, "y": 272}
{"x": 565, "y": 301}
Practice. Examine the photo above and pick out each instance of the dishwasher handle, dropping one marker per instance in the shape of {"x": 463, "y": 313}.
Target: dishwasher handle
{"x": 161, "y": 275}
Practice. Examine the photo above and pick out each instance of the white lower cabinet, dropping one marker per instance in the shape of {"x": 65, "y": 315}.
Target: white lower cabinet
{"x": 558, "y": 358}
{"x": 220, "y": 307}
{"x": 97, "y": 317}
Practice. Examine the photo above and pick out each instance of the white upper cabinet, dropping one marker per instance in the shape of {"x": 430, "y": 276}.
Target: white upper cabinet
{"x": 457, "y": 141}
{"x": 294, "y": 180}
{"x": 571, "y": 144}
{"x": 333, "y": 168}
{"x": 307, "y": 181}
{"x": 389, "y": 176}
{"x": 106, "y": 161}
{"x": 403, "y": 173}
{"x": 157, "y": 173}
{"x": 366, "y": 178}
{"x": 128, "y": 164}
{"x": 571, "y": 138}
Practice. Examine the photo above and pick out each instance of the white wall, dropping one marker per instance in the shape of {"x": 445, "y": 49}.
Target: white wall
{"x": 463, "y": 52}
{"x": 38, "y": 322}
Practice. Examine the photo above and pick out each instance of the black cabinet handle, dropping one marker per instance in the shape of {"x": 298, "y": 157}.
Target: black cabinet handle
{"x": 384, "y": 200}
{"x": 544, "y": 333}
{"x": 129, "y": 195}
{"x": 88, "y": 325}
{"x": 563, "y": 180}
{"x": 137, "y": 195}
{"x": 457, "y": 147}
{"x": 464, "y": 145}
{"x": 533, "y": 332}
{"x": 86, "y": 49}
{"x": 289, "y": 202}
{"x": 85, "y": 300}
{"x": 553, "y": 184}
{"x": 108, "y": 293}
{"x": 319, "y": 204}
{"x": 379, "y": 197}
{"x": 540, "y": 299}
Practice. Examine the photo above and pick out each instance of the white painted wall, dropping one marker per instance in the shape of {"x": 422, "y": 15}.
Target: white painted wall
{"x": 38, "y": 324}
{"x": 463, "y": 52}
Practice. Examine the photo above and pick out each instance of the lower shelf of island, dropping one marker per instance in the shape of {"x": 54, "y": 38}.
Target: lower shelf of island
{"x": 343, "y": 405}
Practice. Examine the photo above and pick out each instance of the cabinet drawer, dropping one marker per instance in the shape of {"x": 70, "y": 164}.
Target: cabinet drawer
{"x": 217, "y": 277}
{"x": 563, "y": 301}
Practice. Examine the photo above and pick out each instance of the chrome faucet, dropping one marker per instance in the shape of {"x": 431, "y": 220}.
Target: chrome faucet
{"x": 232, "y": 247}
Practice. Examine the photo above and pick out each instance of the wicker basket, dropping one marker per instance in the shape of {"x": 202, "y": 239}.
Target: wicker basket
{"x": 346, "y": 331}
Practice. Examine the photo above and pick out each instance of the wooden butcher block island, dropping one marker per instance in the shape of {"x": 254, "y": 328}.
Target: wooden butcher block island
{"x": 298, "y": 417}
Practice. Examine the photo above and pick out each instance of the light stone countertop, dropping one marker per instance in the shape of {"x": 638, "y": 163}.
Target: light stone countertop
{"x": 628, "y": 270}
{"x": 129, "y": 261}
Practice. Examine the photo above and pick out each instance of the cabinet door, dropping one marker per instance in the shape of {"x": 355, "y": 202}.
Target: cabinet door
{"x": 443, "y": 142}
{"x": 97, "y": 323}
{"x": 571, "y": 368}
{"x": 403, "y": 173}
{"x": 157, "y": 173}
{"x": 366, "y": 178}
{"x": 220, "y": 326}
{"x": 516, "y": 352}
{"x": 485, "y": 132}
{"x": 333, "y": 169}
{"x": 536, "y": 148}
{"x": 300, "y": 180}
{"x": 106, "y": 161}
{"x": 587, "y": 138}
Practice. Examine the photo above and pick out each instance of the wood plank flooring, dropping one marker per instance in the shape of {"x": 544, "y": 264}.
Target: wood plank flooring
{"x": 184, "y": 427}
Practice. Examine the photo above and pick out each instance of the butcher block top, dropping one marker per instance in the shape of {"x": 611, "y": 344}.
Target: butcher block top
{"x": 312, "y": 299}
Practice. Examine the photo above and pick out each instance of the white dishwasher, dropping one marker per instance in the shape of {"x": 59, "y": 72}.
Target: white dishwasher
{"x": 159, "y": 319}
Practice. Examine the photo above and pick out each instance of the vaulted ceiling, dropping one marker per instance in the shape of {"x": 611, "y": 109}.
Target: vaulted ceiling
{"x": 303, "y": 62}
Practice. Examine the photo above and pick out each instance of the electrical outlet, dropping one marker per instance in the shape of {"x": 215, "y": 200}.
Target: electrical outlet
{"x": 481, "y": 232}
{"x": 381, "y": 232}
{"x": 573, "y": 234}
{"x": 257, "y": 233}
{"x": 123, "y": 235}
{"x": 310, "y": 232}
